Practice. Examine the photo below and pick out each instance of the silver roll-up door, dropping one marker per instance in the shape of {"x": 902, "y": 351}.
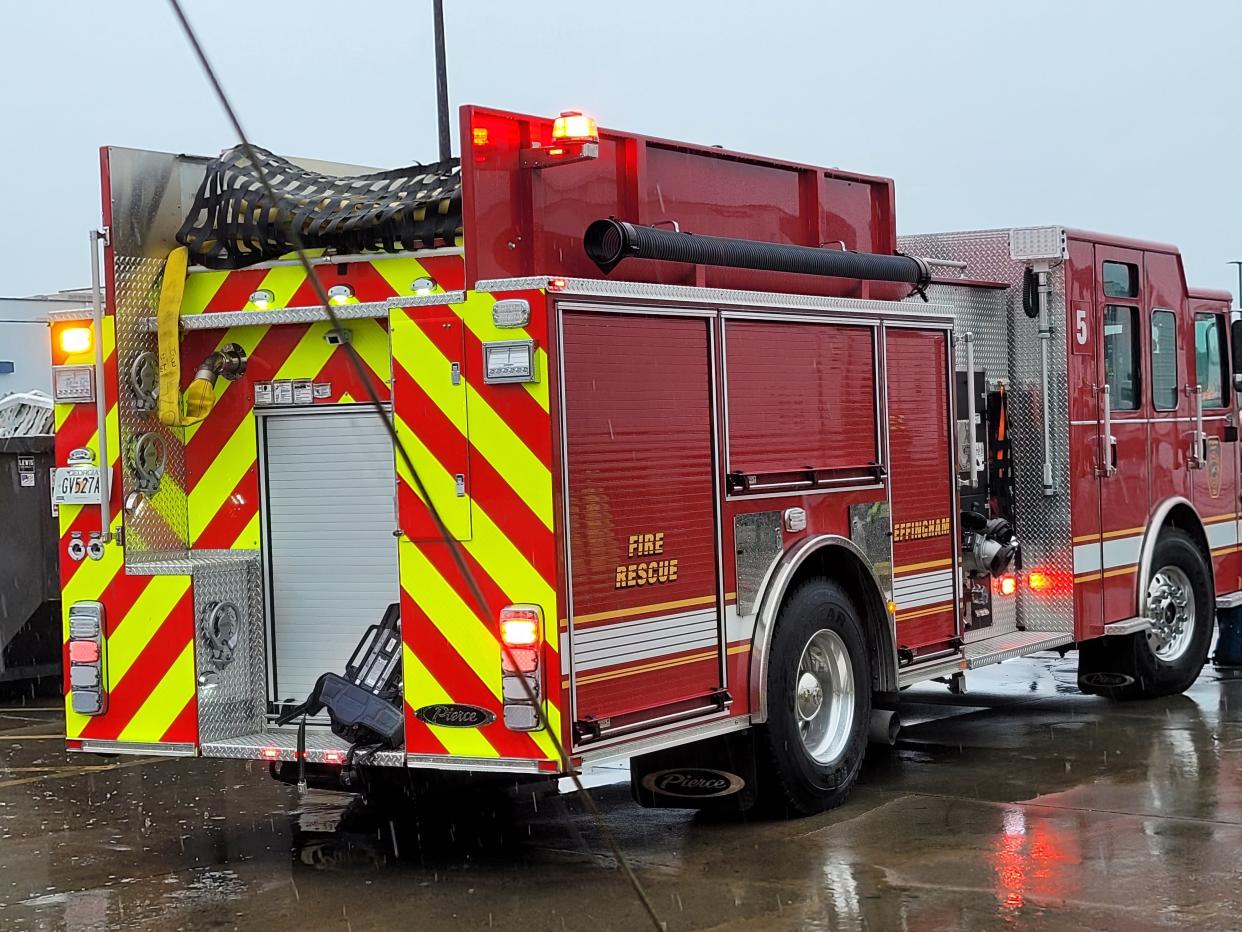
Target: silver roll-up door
{"x": 328, "y": 540}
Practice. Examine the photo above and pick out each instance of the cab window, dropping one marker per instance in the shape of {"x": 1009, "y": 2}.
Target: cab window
{"x": 1210, "y": 367}
{"x": 1120, "y": 280}
{"x": 1121, "y": 356}
{"x": 1163, "y": 361}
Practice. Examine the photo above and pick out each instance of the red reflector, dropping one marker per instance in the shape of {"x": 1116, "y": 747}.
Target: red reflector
{"x": 548, "y": 766}
{"x": 557, "y": 284}
{"x": 83, "y": 652}
{"x": 1007, "y": 585}
{"x": 520, "y": 660}
{"x": 270, "y": 753}
{"x": 334, "y": 757}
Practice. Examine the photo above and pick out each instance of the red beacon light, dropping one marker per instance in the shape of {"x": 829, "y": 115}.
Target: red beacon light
{"x": 575, "y": 138}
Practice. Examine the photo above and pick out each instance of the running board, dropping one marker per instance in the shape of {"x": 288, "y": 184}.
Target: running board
{"x": 1128, "y": 626}
{"x": 1009, "y": 646}
{"x": 322, "y": 747}
{"x": 1229, "y": 600}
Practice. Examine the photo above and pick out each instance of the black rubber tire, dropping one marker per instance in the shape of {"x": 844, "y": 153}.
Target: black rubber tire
{"x": 1126, "y": 667}
{"x": 792, "y": 783}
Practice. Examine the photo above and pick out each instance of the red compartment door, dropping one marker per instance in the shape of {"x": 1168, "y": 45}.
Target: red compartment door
{"x": 645, "y": 632}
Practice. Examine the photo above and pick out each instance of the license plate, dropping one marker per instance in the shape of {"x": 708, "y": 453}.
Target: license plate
{"x": 76, "y": 485}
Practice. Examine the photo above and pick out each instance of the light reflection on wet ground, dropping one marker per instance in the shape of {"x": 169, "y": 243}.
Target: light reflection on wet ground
{"x": 1021, "y": 804}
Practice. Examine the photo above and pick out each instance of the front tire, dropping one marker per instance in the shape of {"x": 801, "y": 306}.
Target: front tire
{"x": 1165, "y": 660}
{"x": 819, "y": 702}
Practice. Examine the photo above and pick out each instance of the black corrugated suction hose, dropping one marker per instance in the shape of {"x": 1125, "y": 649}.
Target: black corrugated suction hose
{"x": 608, "y": 242}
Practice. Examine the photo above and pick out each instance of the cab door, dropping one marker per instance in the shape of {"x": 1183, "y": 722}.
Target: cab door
{"x": 1125, "y": 410}
{"x": 1211, "y": 433}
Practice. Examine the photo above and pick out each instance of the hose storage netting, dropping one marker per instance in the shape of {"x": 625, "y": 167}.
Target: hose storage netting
{"x": 235, "y": 222}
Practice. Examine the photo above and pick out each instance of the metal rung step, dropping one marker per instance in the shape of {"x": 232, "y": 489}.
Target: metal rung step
{"x": 1014, "y": 644}
{"x": 322, "y": 747}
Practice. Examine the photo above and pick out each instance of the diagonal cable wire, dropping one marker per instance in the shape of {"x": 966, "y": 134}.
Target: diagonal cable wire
{"x": 355, "y": 359}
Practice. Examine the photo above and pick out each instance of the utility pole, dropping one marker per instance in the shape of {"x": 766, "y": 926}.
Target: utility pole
{"x": 446, "y": 151}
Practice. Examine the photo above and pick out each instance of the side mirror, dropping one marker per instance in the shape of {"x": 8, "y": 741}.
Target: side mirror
{"x": 1235, "y": 345}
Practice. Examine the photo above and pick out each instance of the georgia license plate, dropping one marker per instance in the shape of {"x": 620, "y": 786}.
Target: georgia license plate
{"x": 76, "y": 485}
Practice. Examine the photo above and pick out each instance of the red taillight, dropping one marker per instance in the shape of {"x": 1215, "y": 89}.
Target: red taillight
{"x": 334, "y": 757}
{"x": 83, "y": 652}
{"x": 1039, "y": 581}
{"x": 521, "y": 634}
{"x": 1007, "y": 585}
{"x": 557, "y": 284}
{"x": 270, "y": 753}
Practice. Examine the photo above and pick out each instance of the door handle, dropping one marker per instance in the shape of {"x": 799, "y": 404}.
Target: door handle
{"x": 1198, "y": 442}
{"x": 1108, "y": 443}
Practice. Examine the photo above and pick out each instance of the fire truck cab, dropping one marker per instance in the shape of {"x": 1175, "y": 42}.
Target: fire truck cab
{"x": 697, "y": 465}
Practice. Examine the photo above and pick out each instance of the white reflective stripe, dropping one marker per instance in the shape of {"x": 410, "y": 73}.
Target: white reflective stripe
{"x": 1222, "y": 534}
{"x": 1123, "y": 551}
{"x": 625, "y": 642}
{"x": 1086, "y": 558}
{"x": 923, "y": 589}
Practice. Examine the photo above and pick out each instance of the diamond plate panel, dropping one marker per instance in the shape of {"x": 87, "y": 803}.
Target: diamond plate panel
{"x": 231, "y": 689}
{"x": 1008, "y": 347}
{"x": 156, "y": 523}
{"x": 322, "y": 747}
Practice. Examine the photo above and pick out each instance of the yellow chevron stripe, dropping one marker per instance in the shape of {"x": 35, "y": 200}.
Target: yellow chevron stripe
{"x": 149, "y": 611}
{"x": 283, "y": 282}
{"x": 422, "y": 689}
{"x": 222, "y": 476}
{"x": 371, "y": 341}
{"x": 476, "y": 313}
{"x": 166, "y": 701}
{"x": 200, "y": 288}
{"x": 461, "y": 626}
{"x": 488, "y": 433}
{"x": 401, "y": 273}
{"x": 248, "y": 539}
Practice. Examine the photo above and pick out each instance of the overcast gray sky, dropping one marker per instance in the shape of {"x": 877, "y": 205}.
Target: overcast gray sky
{"x": 1105, "y": 114}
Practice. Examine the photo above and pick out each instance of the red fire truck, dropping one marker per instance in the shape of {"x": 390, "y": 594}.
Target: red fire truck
{"x": 719, "y": 464}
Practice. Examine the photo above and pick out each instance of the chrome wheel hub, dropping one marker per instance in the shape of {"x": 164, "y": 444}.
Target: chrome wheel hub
{"x": 1171, "y": 608}
{"x": 824, "y": 696}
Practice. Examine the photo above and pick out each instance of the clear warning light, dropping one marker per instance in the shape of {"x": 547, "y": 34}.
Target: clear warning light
{"x": 575, "y": 126}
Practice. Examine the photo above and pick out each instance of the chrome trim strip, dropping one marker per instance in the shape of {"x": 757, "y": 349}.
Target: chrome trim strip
{"x": 917, "y": 674}
{"x": 172, "y": 749}
{"x": 478, "y": 764}
{"x": 426, "y": 300}
{"x": 73, "y": 313}
{"x": 1229, "y": 600}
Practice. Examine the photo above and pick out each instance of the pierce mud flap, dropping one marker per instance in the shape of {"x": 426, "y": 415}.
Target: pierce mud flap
{"x": 718, "y": 774}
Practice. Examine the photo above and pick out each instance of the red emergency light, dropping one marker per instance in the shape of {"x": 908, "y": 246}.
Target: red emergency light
{"x": 575, "y": 138}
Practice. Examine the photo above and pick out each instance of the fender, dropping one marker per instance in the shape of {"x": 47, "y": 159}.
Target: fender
{"x": 1154, "y": 526}
{"x": 782, "y": 573}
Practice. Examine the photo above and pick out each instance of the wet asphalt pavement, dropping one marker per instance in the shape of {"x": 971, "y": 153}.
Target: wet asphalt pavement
{"x": 1021, "y": 804}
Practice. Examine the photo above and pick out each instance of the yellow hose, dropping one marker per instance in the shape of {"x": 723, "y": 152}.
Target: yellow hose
{"x": 200, "y": 396}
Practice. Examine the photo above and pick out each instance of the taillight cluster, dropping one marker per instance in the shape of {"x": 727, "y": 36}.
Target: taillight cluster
{"x": 88, "y": 661}
{"x": 521, "y": 634}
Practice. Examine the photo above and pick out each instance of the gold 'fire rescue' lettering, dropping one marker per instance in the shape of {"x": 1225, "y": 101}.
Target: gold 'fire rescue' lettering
{"x": 920, "y": 530}
{"x": 646, "y": 572}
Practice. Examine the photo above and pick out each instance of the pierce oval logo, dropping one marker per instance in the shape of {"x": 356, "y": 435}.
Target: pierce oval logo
{"x": 697, "y": 782}
{"x": 453, "y": 715}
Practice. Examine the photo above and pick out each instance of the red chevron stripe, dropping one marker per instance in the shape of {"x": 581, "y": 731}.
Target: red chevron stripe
{"x": 419, "y": 738}
{"x": 271, "y": 352}
{"x": 448, "y": 271}
{"x": 119, "y": 597}
{"x": 184, "y": 726}
{"x": 135, "y": 687}
{"x": 339, "y": 371}
{"x": 512, "y": 403}
{"x": 234, "y": 293}
{"x": 232, "y": 517}
{"x": 452, "y": 672}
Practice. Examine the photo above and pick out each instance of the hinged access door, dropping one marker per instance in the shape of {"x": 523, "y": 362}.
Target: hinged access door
{"x": 429, "y": 406}
{"x": 644, "y": 629}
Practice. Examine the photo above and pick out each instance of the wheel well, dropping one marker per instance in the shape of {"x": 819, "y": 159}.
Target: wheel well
{"x": 1183, "y": 518}
{"x": 844, "y": 567}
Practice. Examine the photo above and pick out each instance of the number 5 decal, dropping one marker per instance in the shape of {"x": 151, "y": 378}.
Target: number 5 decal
{"x": 1082, "y": 332}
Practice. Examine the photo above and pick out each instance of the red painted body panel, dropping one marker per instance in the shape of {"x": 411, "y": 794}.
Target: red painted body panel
{"x": 801, "y": 396}
{"x": 520, "y": 221}
{"x": 923, "y": 500}
{"x": 641, "y": 514}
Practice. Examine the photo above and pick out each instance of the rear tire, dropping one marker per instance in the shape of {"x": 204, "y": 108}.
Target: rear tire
{"x": 819, "y": 702}
{"x": 1165, "y": 660}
